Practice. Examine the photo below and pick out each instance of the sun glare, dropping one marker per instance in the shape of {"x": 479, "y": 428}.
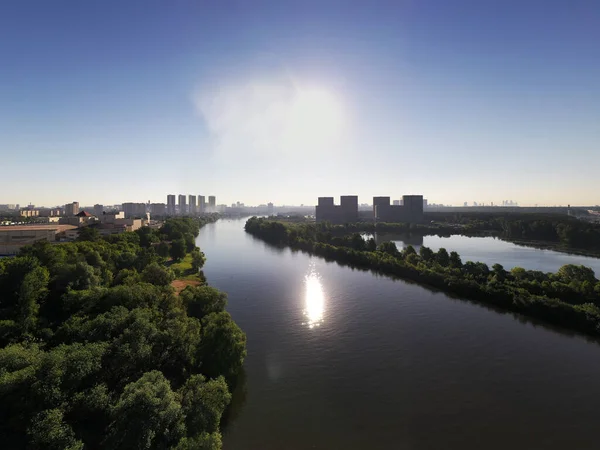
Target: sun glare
{"x": 314, "y": 300}
{"x": 315, "y": 120}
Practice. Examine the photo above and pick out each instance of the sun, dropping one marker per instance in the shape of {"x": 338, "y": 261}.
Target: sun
{"x": 315, "y": 120}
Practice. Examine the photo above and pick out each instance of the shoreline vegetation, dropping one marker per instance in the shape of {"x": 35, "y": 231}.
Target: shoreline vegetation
{"x": 99, "y": 351}
{"x": 569, "y": 298}
{"x": 545, "y": 231}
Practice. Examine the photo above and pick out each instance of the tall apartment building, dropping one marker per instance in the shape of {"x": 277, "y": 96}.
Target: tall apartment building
{"x": 133, "y": 210}
{"x": 72, "y": 209}
{"x": 98, "y": 210}
{"x": 192, "y": 205}
{"x": 410, "y": 211}
{"x": 212, "y": 203}
{"x": 171, "y": 205}
{"x": 201, "y": 204}
{"x": 157, "y": 209}
{"x": 379, "y": 201}
{"x": 182, "y": 206}
{"x": 346, "y": 212}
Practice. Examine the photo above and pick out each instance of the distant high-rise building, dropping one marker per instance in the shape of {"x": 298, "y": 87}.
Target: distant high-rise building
{"x": 346, "y": 212}
{"x": 171, "y": 205}
{"x": 379, "y": 201}
{"x": 396, "y": 203}
{"x": 72, "y": 209}
{"x": 192, "y": 205}
{"x": 270, "y": 208}
{"x": 134, "y": 210}
{"x": 212, "y": 203}
{"x": 182, "y": 206}
{"x": 465, "y": 204}
{"x": 201, "y": 204}
{"x": 98, "y": 210}
{"x": 157, "y": 209}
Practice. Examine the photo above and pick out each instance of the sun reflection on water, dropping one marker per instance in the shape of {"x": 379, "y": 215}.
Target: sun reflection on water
{"x": 314, "y": 300}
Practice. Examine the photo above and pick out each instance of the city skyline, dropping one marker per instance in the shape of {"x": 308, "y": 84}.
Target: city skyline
{"x": 288, "y": 101}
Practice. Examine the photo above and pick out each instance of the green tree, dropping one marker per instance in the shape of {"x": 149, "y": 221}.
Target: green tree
{"x": 23, "y": 285}
{"x": 389, "y": 248}
{"x": 426, "y": 253}
{"x": 148, "y": 236}
{"x": 518, "y": 273}
{"x": 198, "y": 259}
{"x": 89, "y": 233}
{"x": 48, "y": 431}
{"x": 408, "y": 250}
{"x": 442, "y": 257}
{"x": 147, "y": 415}
{"x": 163, "y": 250}
{"x": 158, "y": 275}
{"x": 204, "y": 441}
{"x": 572, "y": 272}
{"x": 499, "y": 272}
{"x": 178, "y": 249}
{"x": 371, "y": 245}
{"x": 223, "y": 346}
{"x": 455, "y": 261}
{"x": 203, "y": 403}
{"x": 203, "y": 300}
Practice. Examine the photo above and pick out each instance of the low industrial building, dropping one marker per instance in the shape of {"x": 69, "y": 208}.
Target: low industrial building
{"x": 80, "y": 219}
{"x": 13, "y": 238}
{"x": 345, "y": 212}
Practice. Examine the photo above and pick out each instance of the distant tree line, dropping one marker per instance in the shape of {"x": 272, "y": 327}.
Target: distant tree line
{"x": 555, "y": 230}
{"x": 97, "y": 351}
{"x": 569, "y": 297}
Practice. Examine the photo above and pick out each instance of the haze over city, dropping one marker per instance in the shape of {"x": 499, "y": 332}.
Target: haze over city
{"x": 275, "y": 101}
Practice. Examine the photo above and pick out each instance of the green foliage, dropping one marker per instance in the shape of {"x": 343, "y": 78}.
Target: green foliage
{"x": 223, "y": 346}
{"x": 203, "y": 300}
{"x": 455, "y": 261}
{"x": 148, "y": 236}
{"x": 163, "y": 250}
{"x": 89, "y": 233}
{"x": 389, "y": 248}
{"x": 97, "y": 351}
{"x": 426, "y": 254}
{"x": 442, "y": 257}
{"x": 48, "y": 431}
{"x": 204, "y": 441}
{"x": 198, "y": 259}
{"x": 147, "y": 415}
{"x": 157, "y": 275}
{"x": 204, "y": 402}
{"x": 178, "y": 249}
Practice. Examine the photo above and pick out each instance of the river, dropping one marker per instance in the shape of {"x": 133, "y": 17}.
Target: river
{"x": 345, "y": 359}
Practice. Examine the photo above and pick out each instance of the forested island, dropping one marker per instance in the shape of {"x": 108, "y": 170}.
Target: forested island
{"x": 569, "y": 298}
{"x": 555, "y": 231}
{"x": 99, "y": 351}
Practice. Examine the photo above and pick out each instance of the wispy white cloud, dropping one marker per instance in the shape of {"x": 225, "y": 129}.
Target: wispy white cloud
{"x": 258, "y": 120}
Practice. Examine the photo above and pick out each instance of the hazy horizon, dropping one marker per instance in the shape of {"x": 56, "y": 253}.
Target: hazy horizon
{"x": 284, "y": 102}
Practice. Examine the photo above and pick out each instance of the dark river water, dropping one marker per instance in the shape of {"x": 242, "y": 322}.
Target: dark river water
{"x": 344, "y": 359}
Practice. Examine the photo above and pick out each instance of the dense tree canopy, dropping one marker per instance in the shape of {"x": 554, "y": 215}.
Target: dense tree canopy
{"x": 99, "y": 352}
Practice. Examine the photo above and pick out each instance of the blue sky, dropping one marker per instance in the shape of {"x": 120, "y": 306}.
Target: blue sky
{"x": 480, "y": 100}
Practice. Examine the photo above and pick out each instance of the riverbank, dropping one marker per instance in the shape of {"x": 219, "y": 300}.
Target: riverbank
{"x": 568, "y": 298}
